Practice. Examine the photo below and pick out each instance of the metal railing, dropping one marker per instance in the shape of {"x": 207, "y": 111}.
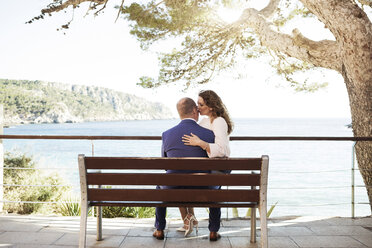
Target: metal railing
{"x": 234, "y": 138}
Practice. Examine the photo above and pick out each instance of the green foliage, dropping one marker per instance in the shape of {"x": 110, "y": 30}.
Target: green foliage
{"x": 235, "y": 213}
{"x": 128, "y": 212}
{"x": 34, "y": 98}
{"x": 152, "y": 22}
{"x": 271, "y": 209}
{"x": 29, "y": 100}
{"x": 29, "y": 176}
{"x": 249, "y": 211}
{"x": 70, "y": 206}
{"x": 290, "y": 10}
{"x": 208, "y": 45}
{"x": 291, "y": 69}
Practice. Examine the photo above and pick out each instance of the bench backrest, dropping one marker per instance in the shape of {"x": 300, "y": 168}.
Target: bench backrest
{"x": 127, "y": 177}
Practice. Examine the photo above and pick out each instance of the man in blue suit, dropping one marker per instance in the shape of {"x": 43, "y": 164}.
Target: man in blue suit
{"x": 172, "y": 146}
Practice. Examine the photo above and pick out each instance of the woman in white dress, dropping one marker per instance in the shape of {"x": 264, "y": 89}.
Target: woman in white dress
{"x": 217, "y": 120}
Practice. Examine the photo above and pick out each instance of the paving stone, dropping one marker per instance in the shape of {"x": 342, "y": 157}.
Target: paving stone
{"x": 44, "y": 246}
{"x": 236, "y": 231}
{"x": 300, "y": 232}
{"x": 7, "y": 246}
{"x": 289, "y": 231}
{"x": 143, "y": 232}
{"x": 135, "y": 242}
{"x": 175, "y": 223}
{"x": 112, "y": 230}
{"x": 305, "y": 221}
{"x": 173, "y": 233}
{"x": 145, "y": 220}
{"x": 119, "y": 231}
{"x": 108, "y": 241}
{"x": 363, "y": 221}
{"x": 238, "y": 222}
{"x": 274, "y": 242}
{"x": 28, "y": 238}
{"x": 327, "y": 241}
{"x": 282, "y": 242}
{"x": 61, "y": 230}
{"x": 197, "y": 242}
{"x": 364, "y": 239}
{"x": 141, "y": 224}
{"x": 181, "y": 242}
{"x": 340, "y": 230}
{"x": 243, "y": 242}
{"x": 10, "y": 226}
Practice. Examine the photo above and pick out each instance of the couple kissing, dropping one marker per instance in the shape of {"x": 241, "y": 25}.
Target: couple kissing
{"x": 208, "y": 138}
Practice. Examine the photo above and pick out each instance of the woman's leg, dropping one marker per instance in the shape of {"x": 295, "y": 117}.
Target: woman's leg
{"x": 191, "y": 211}
{"x": 184, "y": 212}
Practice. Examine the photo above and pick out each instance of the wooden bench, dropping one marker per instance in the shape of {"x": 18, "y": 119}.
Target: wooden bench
{"x": 247, "y": 185}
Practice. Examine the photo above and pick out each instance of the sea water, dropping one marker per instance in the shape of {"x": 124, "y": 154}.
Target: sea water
{"x": 305, "y": 177}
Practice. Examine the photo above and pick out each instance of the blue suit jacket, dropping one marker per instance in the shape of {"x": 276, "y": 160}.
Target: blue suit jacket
{"x": 172, "y": 145}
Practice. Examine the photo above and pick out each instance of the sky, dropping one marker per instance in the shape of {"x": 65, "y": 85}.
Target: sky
{"x": 99, "y": 51}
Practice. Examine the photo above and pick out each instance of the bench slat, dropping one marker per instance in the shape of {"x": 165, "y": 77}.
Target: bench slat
{"x": 102, "y": 163}
{"x": 173, "y": 179}
{"x": 176, "y": 204}
{"x": 173, "y": 195}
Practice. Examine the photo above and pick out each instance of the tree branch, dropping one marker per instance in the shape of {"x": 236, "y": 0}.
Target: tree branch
{"x": 62, "y": 6}
{"x": 270, "y": 9}
{"x": 120, "y": 8}
{"x": 323, "y": 53}
{"x": 355, "y": 38}
{"x": 104, "y": 6}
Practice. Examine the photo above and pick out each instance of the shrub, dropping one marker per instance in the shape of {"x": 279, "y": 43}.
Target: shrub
{"x": 30, "y": 176}
{"x": 70, "y": 206}
{"x": 129, "y": 212}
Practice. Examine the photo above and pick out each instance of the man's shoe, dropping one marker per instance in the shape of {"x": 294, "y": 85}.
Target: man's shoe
{"x": 158, "y": 234}
{"x": 214, "y": 236}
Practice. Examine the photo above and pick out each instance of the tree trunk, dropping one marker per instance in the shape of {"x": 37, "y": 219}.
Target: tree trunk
{"x": 361, "y": 111}
{"x": 357, "y": 72}
{"x": 353, "y": 32}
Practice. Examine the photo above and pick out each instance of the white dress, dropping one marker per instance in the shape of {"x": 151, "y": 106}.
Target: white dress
{"x": 220, "y": 147}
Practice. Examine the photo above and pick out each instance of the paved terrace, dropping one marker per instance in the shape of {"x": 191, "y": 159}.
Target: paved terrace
{"x": 291, "y": 232}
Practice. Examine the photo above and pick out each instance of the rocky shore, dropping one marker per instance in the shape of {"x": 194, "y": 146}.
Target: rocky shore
{"x": 29, "y": 102}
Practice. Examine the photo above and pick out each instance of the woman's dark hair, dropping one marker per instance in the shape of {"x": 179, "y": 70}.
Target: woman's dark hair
{"x": 213, "y": 101}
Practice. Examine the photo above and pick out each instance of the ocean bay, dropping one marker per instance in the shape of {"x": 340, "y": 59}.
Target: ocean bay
{"x": 305, "y": 177}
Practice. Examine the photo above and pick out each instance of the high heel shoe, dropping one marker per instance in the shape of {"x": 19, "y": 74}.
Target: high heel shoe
{"x": 190, "y": 221}
{"x": 183, "y": 228}
{"x": 196, "y": 223}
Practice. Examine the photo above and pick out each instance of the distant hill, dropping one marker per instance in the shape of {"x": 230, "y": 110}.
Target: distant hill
{"x": 44, "y": 102}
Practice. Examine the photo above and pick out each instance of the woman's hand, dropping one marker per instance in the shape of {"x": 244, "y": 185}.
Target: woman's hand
{"x": 191, "y": 140}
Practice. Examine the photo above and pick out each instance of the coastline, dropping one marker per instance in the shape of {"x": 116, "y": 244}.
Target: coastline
{"x": 14, "y": 124}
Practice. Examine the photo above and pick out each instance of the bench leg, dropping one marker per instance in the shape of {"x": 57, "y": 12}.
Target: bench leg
{"x": 83, "y": 225}
{"x": 253, "y": 225}
{"x": 99, "y": 223}
{"x": 263, "y": 222}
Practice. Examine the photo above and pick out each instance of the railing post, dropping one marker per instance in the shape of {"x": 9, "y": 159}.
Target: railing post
{"x": 353, "y": 182}
{"x": 99, "y": 211}
{"x": 1, "y": 159}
